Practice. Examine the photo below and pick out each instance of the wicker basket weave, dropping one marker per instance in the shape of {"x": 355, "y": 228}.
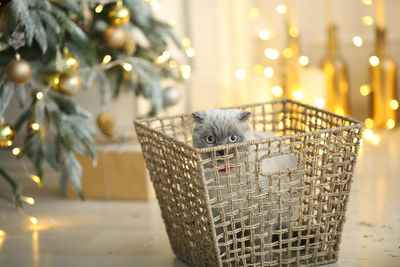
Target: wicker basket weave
{"x": 244, "y": 216}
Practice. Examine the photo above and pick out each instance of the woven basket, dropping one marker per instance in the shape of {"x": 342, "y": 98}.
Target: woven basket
{"x": 243, "y": 216}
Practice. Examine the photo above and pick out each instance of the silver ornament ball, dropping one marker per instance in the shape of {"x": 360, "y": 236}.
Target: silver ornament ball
{"x": 171, "y": 96}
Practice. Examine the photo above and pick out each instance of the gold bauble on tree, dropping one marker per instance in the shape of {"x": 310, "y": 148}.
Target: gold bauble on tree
{"x": 69, "y": 83}
{"x": 119, "y": 14}
{"x": 6, "y": 134}
{"x": 69, "y": 61}
{"x": 129, "y": 46}
{"x": 18, "y": 70}
{"x": 106, "y": 123}
{"x": 115, "y": 37}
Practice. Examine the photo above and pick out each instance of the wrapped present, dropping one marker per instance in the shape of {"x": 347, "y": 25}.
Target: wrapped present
{"x": 120, "y": 174}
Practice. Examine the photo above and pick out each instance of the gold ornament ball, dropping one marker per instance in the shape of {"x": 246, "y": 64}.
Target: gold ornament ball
{"x": 69, "y": 61}
{"x": 129, "y": 46}
{"x": 106, "y": 122}
{"x": 6, "y": 134}
{"x": 119, "y": 15}
{"x": 19, "y": 71}
{"x": 69, "y": 83}
{"x": 115, "y": 37}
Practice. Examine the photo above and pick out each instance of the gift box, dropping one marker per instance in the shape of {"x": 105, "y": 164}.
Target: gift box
{"x": 120, "y": 174}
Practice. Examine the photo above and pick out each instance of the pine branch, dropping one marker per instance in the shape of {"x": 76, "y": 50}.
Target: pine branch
{"x": 72, "y": 170}
{"x": 20, "y": 14}
{"x": 50, "y": 21}
{"x": 141, "y": 12}
{"x": 39, "y": 32}
{"x": 6, "y": 93}
{"x": 15, "y": 188}
{"x": 71, "y": 6}
{"x": 20, "y": 91}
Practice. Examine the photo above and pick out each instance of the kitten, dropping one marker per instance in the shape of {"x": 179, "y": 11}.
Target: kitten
{"x": 216, "y": 127}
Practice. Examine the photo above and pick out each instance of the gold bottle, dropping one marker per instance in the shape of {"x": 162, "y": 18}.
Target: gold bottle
{"x": 291, "y": 81}
{"x": 383, "y": 84}
{"x": 337, "y": 83}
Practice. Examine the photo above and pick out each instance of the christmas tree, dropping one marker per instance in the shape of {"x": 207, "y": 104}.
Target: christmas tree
{"x": 49, "y": 50}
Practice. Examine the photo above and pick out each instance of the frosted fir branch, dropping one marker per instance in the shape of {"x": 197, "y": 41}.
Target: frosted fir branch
{"x": 15, "y": 188}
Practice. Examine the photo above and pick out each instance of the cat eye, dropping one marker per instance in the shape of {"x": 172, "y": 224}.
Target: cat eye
{"x": 233, "y": 138}
{"x": 210, "y": 139}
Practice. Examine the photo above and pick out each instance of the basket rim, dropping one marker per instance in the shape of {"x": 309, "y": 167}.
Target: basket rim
{"x": 355, "y": 124}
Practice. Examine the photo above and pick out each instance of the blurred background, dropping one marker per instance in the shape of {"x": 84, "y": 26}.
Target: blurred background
{"x": 184, "y": 56}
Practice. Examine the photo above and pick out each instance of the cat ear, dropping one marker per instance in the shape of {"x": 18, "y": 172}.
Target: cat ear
{"x": 198, "y": 116}
{"x": 244, "y": 115}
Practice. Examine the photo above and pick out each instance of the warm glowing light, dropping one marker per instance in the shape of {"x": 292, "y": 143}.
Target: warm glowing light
{"x": 106, "y": 59}
{"x": 367, "y": 2}
{"x": 357, "y": 41}
{"x": 254, "y": 13}
{"x": 287, "y": 52}
{"x": 271, "y": 53}
{"x": 376, "y": 139}
{"x": 155, "y": 5}
{"x": 16, "y": 151}
{"x": 190, "y": 52}
{"x": 6, "y": 131}
{"x": 127, "y": 66}
{"x": 365, "y": 90}
{"x": 163, "y": 57}
{"x": 368, "y": 134}
{"x": 173, "y": 64}
{"x": 258, "y": 69}
{"x": 39, "y": 95}
{"x": 186, "y": 42}
{"x": 374, "y": 61}
{"x": 298, "y": 95}
{"x": 303, "y": 60}
{"x": 2, "y": 233}
{"x": 293, "y": 32}
{"x": 33, "y": 220}
{"x": 29, "y": 200}
{"x": 172, "y": 22}
{"x": 394, "y": 104}
{"x": 265, "y": 34}
{"x": 277, "y": 91}
{"x": 367, "y": 20}
{"x": 281, "y": 9}
{"x": 269, "y": 72}
{"x": 56, "y": 80}
{"x": 240, "y": 74}
{"x": 320, "y": 102}
{"x": 186, "y": 71}
{"x": 339, "y": 111}
{"x": 98, "y": 8}
{"x": 369, "y": 123}
{"x": 36, "y": 179}
{"x": 35, "y": 126}
{"x": 281, "y": 125}
{"x": 390, "y": 124}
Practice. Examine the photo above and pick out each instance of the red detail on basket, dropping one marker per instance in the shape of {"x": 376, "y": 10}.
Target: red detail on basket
{"x": 224, "y": 169}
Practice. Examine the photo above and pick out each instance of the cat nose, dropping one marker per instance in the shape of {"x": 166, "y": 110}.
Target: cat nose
{"x": 220, "y": 152}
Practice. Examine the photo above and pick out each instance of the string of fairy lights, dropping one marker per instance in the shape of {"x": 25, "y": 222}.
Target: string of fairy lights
{"x": 107, "y": 62}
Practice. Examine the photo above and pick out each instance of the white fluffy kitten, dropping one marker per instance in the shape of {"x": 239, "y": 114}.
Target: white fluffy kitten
{"x": 219, "y": 127}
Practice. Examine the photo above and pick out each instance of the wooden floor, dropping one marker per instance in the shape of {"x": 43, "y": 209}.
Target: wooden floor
{"x": 100, "y": 233}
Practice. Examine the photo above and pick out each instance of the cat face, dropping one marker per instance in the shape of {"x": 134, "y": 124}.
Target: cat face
{"x": 220, "y": 127}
